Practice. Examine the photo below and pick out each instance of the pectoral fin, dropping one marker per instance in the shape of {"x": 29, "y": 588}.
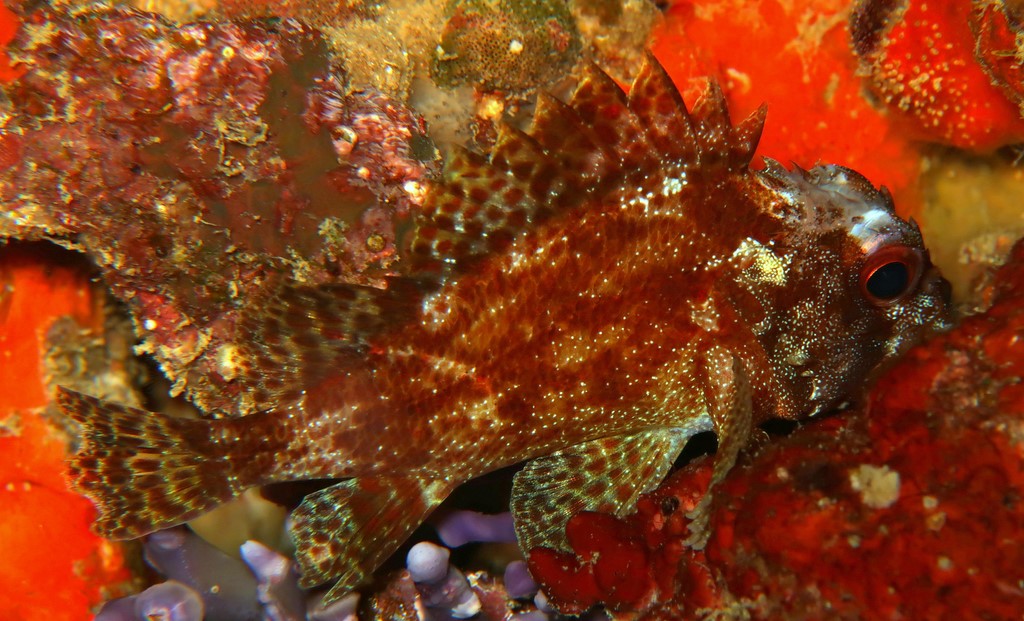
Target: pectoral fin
{"x": 606, "y": 475}
{"x": 729, "y": 399}
{"x": 344, "y": 532}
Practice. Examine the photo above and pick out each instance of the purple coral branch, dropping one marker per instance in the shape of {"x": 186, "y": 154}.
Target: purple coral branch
{"x": 519, "y": 584}
{"x": 167, "y": 601}
{"x": 461, "y": 527}
{"x": 226, "y": 584}
{"x": 277, "y": 582}
{"x": 443, "y": 588}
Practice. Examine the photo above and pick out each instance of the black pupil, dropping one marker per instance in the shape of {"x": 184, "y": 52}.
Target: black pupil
{"x": 889, "y": 281}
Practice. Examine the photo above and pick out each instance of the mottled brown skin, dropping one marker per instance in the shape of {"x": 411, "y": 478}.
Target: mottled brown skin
{"x": 587, "y": 298}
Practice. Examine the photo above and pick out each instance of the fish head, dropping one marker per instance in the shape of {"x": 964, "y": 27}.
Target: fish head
{"x": 852, "y": 289}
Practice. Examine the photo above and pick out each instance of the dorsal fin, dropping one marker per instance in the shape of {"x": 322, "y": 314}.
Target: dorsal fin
{"x": 746, "y": 135}
{"x": 304, "y": 333}
{"x": 601, "y": 140}
{"x": 721, "y": 141}
{"x": 558, "y": 128}
{"x": 657, "y": 102}
{"x": 604, "y": 106}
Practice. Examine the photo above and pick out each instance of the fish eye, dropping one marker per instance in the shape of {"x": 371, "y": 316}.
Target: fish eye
{"x": 890, "y": 274}
{"x": 888, "y": 281}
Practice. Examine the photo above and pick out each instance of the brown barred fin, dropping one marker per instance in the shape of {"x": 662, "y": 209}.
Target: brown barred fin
{"x": 600, "y": 141}
{"x": 517, "y": 155}
{"x": 344, "y": 532}
{"x": 720, "y": 141}
{"x": 305, "y": 333}
{"x": 606, "y": 475}
{"x": 145, "y": 471}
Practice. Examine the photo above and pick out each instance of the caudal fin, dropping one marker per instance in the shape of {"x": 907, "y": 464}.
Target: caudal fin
{"x": 145, "y": 471}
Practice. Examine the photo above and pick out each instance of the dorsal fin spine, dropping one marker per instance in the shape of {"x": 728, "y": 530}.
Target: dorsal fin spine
{"x": 517, "y": 152}
{"x": 604, "y": 106}
{"x": 663, "y": 114}
{"x": 747, "y": 135}
{"x": 569, "y": 141}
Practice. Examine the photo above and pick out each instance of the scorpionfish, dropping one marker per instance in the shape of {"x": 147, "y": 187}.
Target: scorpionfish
{"x": 584, "y": 299}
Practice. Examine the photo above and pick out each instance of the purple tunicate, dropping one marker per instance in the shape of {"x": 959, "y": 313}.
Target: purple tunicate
{"x": 341, "y": 610}
{"x": 541, "y": 602}
{"x": 122, "y": 609}
{"x": 461, "y": 527}
{"x": 464, "y": 602}
{"x": 169, "y": 601}
{"x": 519, "y": 584}
{"x": 443, "y": 588}
{"x": 427, "y": 562}
{"x": 278, "y": 589}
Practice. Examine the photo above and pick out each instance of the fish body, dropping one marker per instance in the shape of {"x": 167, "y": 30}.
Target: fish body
{"x": 584, "y": 299}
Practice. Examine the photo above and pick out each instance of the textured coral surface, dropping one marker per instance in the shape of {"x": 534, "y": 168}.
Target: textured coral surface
{"x": 945, "y": 70}
{"x": 229, "y": 156}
